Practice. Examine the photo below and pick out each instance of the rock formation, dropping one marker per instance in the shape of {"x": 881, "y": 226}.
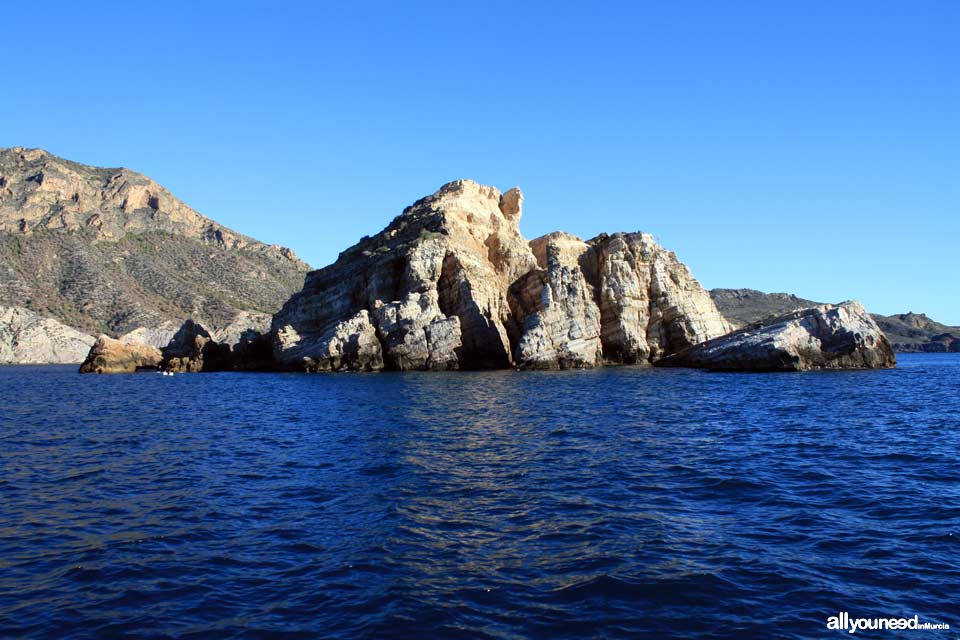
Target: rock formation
{"x": 452, "y": 284}
{"x": 841, "y": 336}
{"x": 111, "y": 251}
{"x": 428, "y": 292}
{"x": 556, "y": 306}
{"x": 113, "y": 356}
{"x": 650, "y": 303}
{"x": 26, "y": 338}
{"x": 907, "y": 332}
{"x": 193, "y": 349}
{"x": 190, "y": 349}
{"x": 159, "y": 336}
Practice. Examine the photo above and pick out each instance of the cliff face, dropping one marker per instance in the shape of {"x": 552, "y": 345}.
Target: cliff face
{"x": 110, "y": 251}
{"x": 427, "y": 292}
{"x": 26, "y": 338}
{"x": 452, "y": 284}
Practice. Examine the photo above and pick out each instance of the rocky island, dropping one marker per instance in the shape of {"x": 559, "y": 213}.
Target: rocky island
{"x": 452, "y": 284}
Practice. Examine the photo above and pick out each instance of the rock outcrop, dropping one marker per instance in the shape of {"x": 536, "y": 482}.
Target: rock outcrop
{"x": 557, "y": 309}
{"x": 109, "y": 355}
{"x": 111, "y": 251}
{"x": 650, "y": 303}
{"x": 452, "y": 284}
{"x": 158, "y": 336}
{"x": 431, "y": 288}
{"x": 27, "y": 338}
{"x": 192, "y": 349}
{"x": 907, "y": 332}
{"x": 841, "y": 336}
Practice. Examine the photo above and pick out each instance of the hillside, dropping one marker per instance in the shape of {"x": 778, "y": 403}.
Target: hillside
{"x": 110, "y": 250}
{"x": 907, "y": 332}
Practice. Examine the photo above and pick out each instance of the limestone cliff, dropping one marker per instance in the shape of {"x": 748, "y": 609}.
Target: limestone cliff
{"x": 427, "y": 292}
{"x": 556, "y": 305}
{"x": 26, "y": 338}
{"x": 452, "y": 284}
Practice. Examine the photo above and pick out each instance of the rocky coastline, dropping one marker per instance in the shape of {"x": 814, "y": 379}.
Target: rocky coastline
{"x": 451, "y": 284}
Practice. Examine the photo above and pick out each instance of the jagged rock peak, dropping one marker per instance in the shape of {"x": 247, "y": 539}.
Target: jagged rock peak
{"x": 470, "y": 195}
{"x": 557, "y": 308}
{"x": 451, "y": 284}
{"x": 431, "y": 287}
{"x": 650, "y": 303}
{"x": 570, "y": 248}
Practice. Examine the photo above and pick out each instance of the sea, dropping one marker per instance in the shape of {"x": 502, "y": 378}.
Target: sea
{"x": 614, "y": 503}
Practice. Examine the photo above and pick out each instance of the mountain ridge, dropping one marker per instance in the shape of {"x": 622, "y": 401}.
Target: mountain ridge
{"x": 109, "y": 250}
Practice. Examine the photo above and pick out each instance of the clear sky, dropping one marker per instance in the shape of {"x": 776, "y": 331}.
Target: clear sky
{"x": 809, "y": 147}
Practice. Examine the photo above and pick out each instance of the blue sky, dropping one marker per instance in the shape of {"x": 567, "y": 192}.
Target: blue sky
{"x": 809, "y": 147}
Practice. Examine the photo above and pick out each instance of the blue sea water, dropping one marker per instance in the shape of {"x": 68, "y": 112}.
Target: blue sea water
{"x": 616, "y": 503}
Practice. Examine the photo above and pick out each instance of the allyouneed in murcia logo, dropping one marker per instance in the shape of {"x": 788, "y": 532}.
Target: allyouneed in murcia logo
{"x": 843, "y": 622}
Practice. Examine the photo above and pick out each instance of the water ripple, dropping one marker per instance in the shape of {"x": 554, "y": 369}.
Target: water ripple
{"x": 617, "y": 503}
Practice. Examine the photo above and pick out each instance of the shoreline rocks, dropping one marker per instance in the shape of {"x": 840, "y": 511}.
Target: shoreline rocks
{"x": 109, "y": 355}
{"x": 191, "y": 349}
{"x": 841, "y": 336}
{"x": 452, "y": 284}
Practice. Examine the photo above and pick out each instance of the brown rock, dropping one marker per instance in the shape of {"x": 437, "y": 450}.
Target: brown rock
{"x": 192, "y": 349}
{"x": 113, "y": 356}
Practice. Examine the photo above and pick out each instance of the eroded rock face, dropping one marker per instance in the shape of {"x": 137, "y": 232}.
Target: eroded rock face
{"x": 159, "y": 336}
{"x": 193, "y": 349}
{"x": 351, "y": 345}
{"x": 27, "y": 338}
{"x": 433, "y": 285}
{"x": 841, "y": 336}
{"x": 561, "y": 321}
{"x": 114, "y": 356}
{"x": 649, "y": 302}
{"x": 233, "y": 331}
{"x": 452, "y": 284}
